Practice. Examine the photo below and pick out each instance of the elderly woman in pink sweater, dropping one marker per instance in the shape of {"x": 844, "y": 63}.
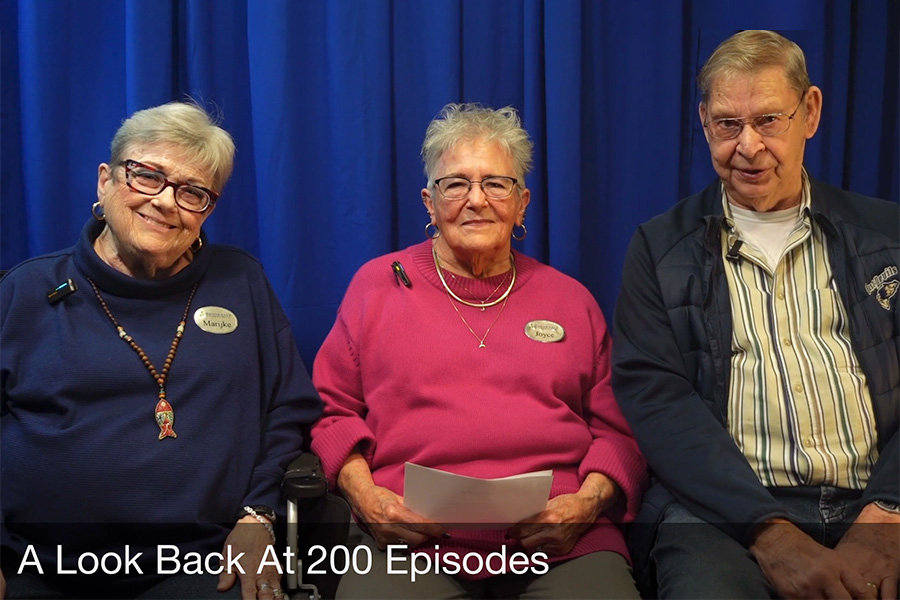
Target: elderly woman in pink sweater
{"x": 463, "y": 355}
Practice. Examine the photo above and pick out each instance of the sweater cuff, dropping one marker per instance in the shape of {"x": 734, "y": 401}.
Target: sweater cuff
{"x": 265, "y": 490}
{"x": 626, "y": 467}
{"x": 334, "y": 443}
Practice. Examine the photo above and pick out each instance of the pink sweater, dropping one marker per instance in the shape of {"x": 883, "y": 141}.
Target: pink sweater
{"x": 403, "y": 377}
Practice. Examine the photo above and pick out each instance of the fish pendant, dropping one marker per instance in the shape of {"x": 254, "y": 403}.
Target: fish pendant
{"x": 165, "y": 418}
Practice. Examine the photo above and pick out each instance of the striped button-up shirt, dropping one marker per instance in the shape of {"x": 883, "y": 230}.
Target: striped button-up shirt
{"x": 798, "y": 406}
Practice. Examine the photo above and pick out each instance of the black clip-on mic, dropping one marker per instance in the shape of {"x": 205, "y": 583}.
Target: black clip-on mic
{"x": 64, "y": 289}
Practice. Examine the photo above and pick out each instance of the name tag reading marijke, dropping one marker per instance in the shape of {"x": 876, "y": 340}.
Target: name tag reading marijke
{"x": 215, "y": 319}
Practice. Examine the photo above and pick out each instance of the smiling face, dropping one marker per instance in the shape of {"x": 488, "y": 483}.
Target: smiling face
{"x": 475, "y": 231}
{"x": 149, "y": 236}
{"x": 761, "y": 173}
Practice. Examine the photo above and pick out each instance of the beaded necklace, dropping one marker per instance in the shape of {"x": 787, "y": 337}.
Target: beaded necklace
{"x": 165, "y": 415}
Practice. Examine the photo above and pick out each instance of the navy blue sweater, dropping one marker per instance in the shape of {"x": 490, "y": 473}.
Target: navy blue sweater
{"x": 79, "y": 438}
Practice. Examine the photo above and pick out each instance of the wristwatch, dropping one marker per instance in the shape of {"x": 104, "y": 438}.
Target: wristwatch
{"x": 891, "y": 507}
{"x": 262, "y": 511}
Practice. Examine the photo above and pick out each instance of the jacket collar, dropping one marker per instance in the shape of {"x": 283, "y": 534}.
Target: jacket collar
{"x": 821, "y": 206}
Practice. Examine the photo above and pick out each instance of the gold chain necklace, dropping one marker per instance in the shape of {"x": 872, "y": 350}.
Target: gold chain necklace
{"x": 482, "y": 305}
{"x": 469, "y": 327}
{"x": 164, "y": 413}
{"x": 471, "y": 293}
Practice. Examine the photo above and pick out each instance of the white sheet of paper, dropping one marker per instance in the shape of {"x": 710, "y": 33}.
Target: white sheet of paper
{"x": 449, "y": 498}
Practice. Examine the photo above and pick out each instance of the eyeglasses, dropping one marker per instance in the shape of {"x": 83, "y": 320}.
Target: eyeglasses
{"x": 765, "y": 125}
{"x": 495, "y": 187}
{"x": 145, "y": 179}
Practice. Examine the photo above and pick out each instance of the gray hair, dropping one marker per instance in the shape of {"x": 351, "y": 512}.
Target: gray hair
{"x": 749, "y": 52}
{"x": 469, "y": 122}
{"x": 185, "y": 125}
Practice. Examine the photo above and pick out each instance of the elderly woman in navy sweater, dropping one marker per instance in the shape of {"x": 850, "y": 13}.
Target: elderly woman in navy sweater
{"x": 480, "y": 361}
{"x": 149, "y": 414}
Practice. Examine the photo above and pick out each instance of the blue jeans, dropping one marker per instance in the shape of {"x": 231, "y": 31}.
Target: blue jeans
{"x": 695, "y": 559}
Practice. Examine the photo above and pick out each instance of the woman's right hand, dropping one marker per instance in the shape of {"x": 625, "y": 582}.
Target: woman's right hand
{"x": 389, "y": 521}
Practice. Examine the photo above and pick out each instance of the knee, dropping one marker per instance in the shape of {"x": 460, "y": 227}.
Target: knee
{"x": 695, "y": 559}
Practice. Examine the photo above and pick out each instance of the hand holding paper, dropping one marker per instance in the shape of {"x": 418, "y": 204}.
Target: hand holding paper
{"x": 389, "y": 521}
{"x": 557, "y": 529}
{"x": 489, "y": 503}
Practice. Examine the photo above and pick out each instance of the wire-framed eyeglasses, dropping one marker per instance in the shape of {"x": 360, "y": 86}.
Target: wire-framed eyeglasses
{"x": 145, "y": 179}
{"x": 495, "y": 187}
{"x": 766, "y": 125}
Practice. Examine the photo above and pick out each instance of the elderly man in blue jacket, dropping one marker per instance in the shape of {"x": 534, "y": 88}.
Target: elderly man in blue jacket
{"x": 756, "y": 357}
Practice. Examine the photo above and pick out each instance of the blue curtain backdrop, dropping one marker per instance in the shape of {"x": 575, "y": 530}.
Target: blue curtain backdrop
{"x": 328, "y": 101}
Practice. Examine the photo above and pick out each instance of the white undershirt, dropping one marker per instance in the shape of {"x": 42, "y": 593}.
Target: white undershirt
{"x": 767, "y": 232}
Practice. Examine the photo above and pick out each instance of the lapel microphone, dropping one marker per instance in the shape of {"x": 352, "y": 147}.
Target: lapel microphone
{"x": 400, "y": 274}
{"x": 734, "y": 250}
{"x": 64, "y": 289}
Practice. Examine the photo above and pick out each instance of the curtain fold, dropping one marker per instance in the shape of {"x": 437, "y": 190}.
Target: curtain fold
{"x": 328, "y": 101}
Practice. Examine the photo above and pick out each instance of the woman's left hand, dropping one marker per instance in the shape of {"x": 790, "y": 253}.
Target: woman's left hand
{"x": 252, "y": 538}
{"x": 555, "y": 530}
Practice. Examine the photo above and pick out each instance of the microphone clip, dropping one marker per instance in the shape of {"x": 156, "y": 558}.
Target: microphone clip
{"x": 400, "y": 274}
{"x": 64, "y": 289}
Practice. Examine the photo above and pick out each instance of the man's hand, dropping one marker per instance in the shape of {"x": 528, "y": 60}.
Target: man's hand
{"x": 389, "y": 521}
{"x": 555, "y": 530}
{"x": 798, "y": 567}
{"x": 252, "y": 538}
{"x": 2, "y": 586}
{"x": 872, "y": 546}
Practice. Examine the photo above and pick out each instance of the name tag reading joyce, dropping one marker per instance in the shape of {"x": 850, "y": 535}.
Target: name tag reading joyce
{"x": 545, "y": 331}
{"x": 215, "y": 319}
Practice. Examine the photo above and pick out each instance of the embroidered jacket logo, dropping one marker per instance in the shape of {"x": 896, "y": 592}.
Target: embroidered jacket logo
{"x": 883, "y": 288}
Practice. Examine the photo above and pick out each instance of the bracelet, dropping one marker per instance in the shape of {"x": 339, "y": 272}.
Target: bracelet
{"x": 262, "y": 520}
{"x": 261, "y": 510}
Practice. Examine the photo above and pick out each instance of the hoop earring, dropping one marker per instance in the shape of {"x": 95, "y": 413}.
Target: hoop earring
{"x": 198, "y": 243}
{"x": 524, "y": 232}
{"x": 97, "y": 211}
{"x": 432, "y": 235}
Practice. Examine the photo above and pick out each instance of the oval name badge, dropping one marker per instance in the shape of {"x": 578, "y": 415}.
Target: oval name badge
{"x": 215, "y": 319}
{"x": 545, "y": 331}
